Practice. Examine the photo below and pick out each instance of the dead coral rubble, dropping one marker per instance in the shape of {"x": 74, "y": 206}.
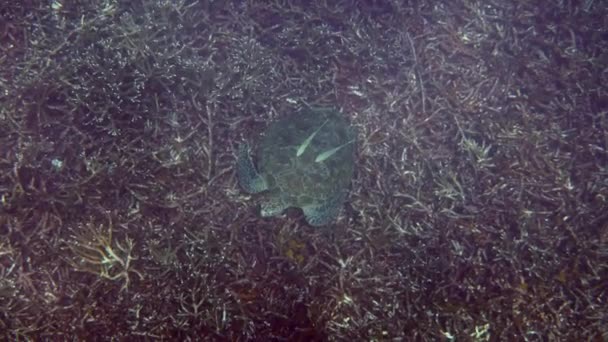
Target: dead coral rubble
{"x": 478, "y": 211}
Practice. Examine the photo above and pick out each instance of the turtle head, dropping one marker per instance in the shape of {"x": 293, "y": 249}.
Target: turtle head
{"x": 272, "y": 207}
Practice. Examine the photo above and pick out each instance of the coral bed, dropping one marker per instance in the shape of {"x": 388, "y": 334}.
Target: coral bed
{"x": 479, "y": 209}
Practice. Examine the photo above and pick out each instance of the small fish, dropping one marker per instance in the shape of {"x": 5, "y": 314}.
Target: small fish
{"x": 306, "y": 142}
{"x": 321, "y": 157}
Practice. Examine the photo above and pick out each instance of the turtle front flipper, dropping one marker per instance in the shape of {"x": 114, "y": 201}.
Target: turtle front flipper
{"x": 323, "y": 213}
{"x": 249, "y": 178}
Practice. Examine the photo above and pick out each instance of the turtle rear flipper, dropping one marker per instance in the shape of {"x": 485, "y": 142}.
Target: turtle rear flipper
{"x": 320, "y": 214}
{"x": 249, "y": 178}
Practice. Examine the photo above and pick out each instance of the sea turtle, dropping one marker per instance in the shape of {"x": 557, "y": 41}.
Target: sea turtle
{"x": 306, "y": 161}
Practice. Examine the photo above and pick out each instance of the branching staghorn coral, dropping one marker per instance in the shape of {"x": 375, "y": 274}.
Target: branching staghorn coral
{"x": 95, "y": 251}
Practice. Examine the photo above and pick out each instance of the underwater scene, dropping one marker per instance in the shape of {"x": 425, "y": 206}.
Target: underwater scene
{"x": 353, "y": 170}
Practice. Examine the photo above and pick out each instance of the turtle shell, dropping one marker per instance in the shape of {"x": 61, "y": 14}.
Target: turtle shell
{"x": 302, "y": 180}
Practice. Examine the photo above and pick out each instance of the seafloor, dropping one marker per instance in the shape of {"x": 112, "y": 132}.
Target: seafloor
{"x": 478, "y": 210}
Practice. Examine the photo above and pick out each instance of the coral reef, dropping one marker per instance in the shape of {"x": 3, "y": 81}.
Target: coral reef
{"x": 479, "y": 208}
